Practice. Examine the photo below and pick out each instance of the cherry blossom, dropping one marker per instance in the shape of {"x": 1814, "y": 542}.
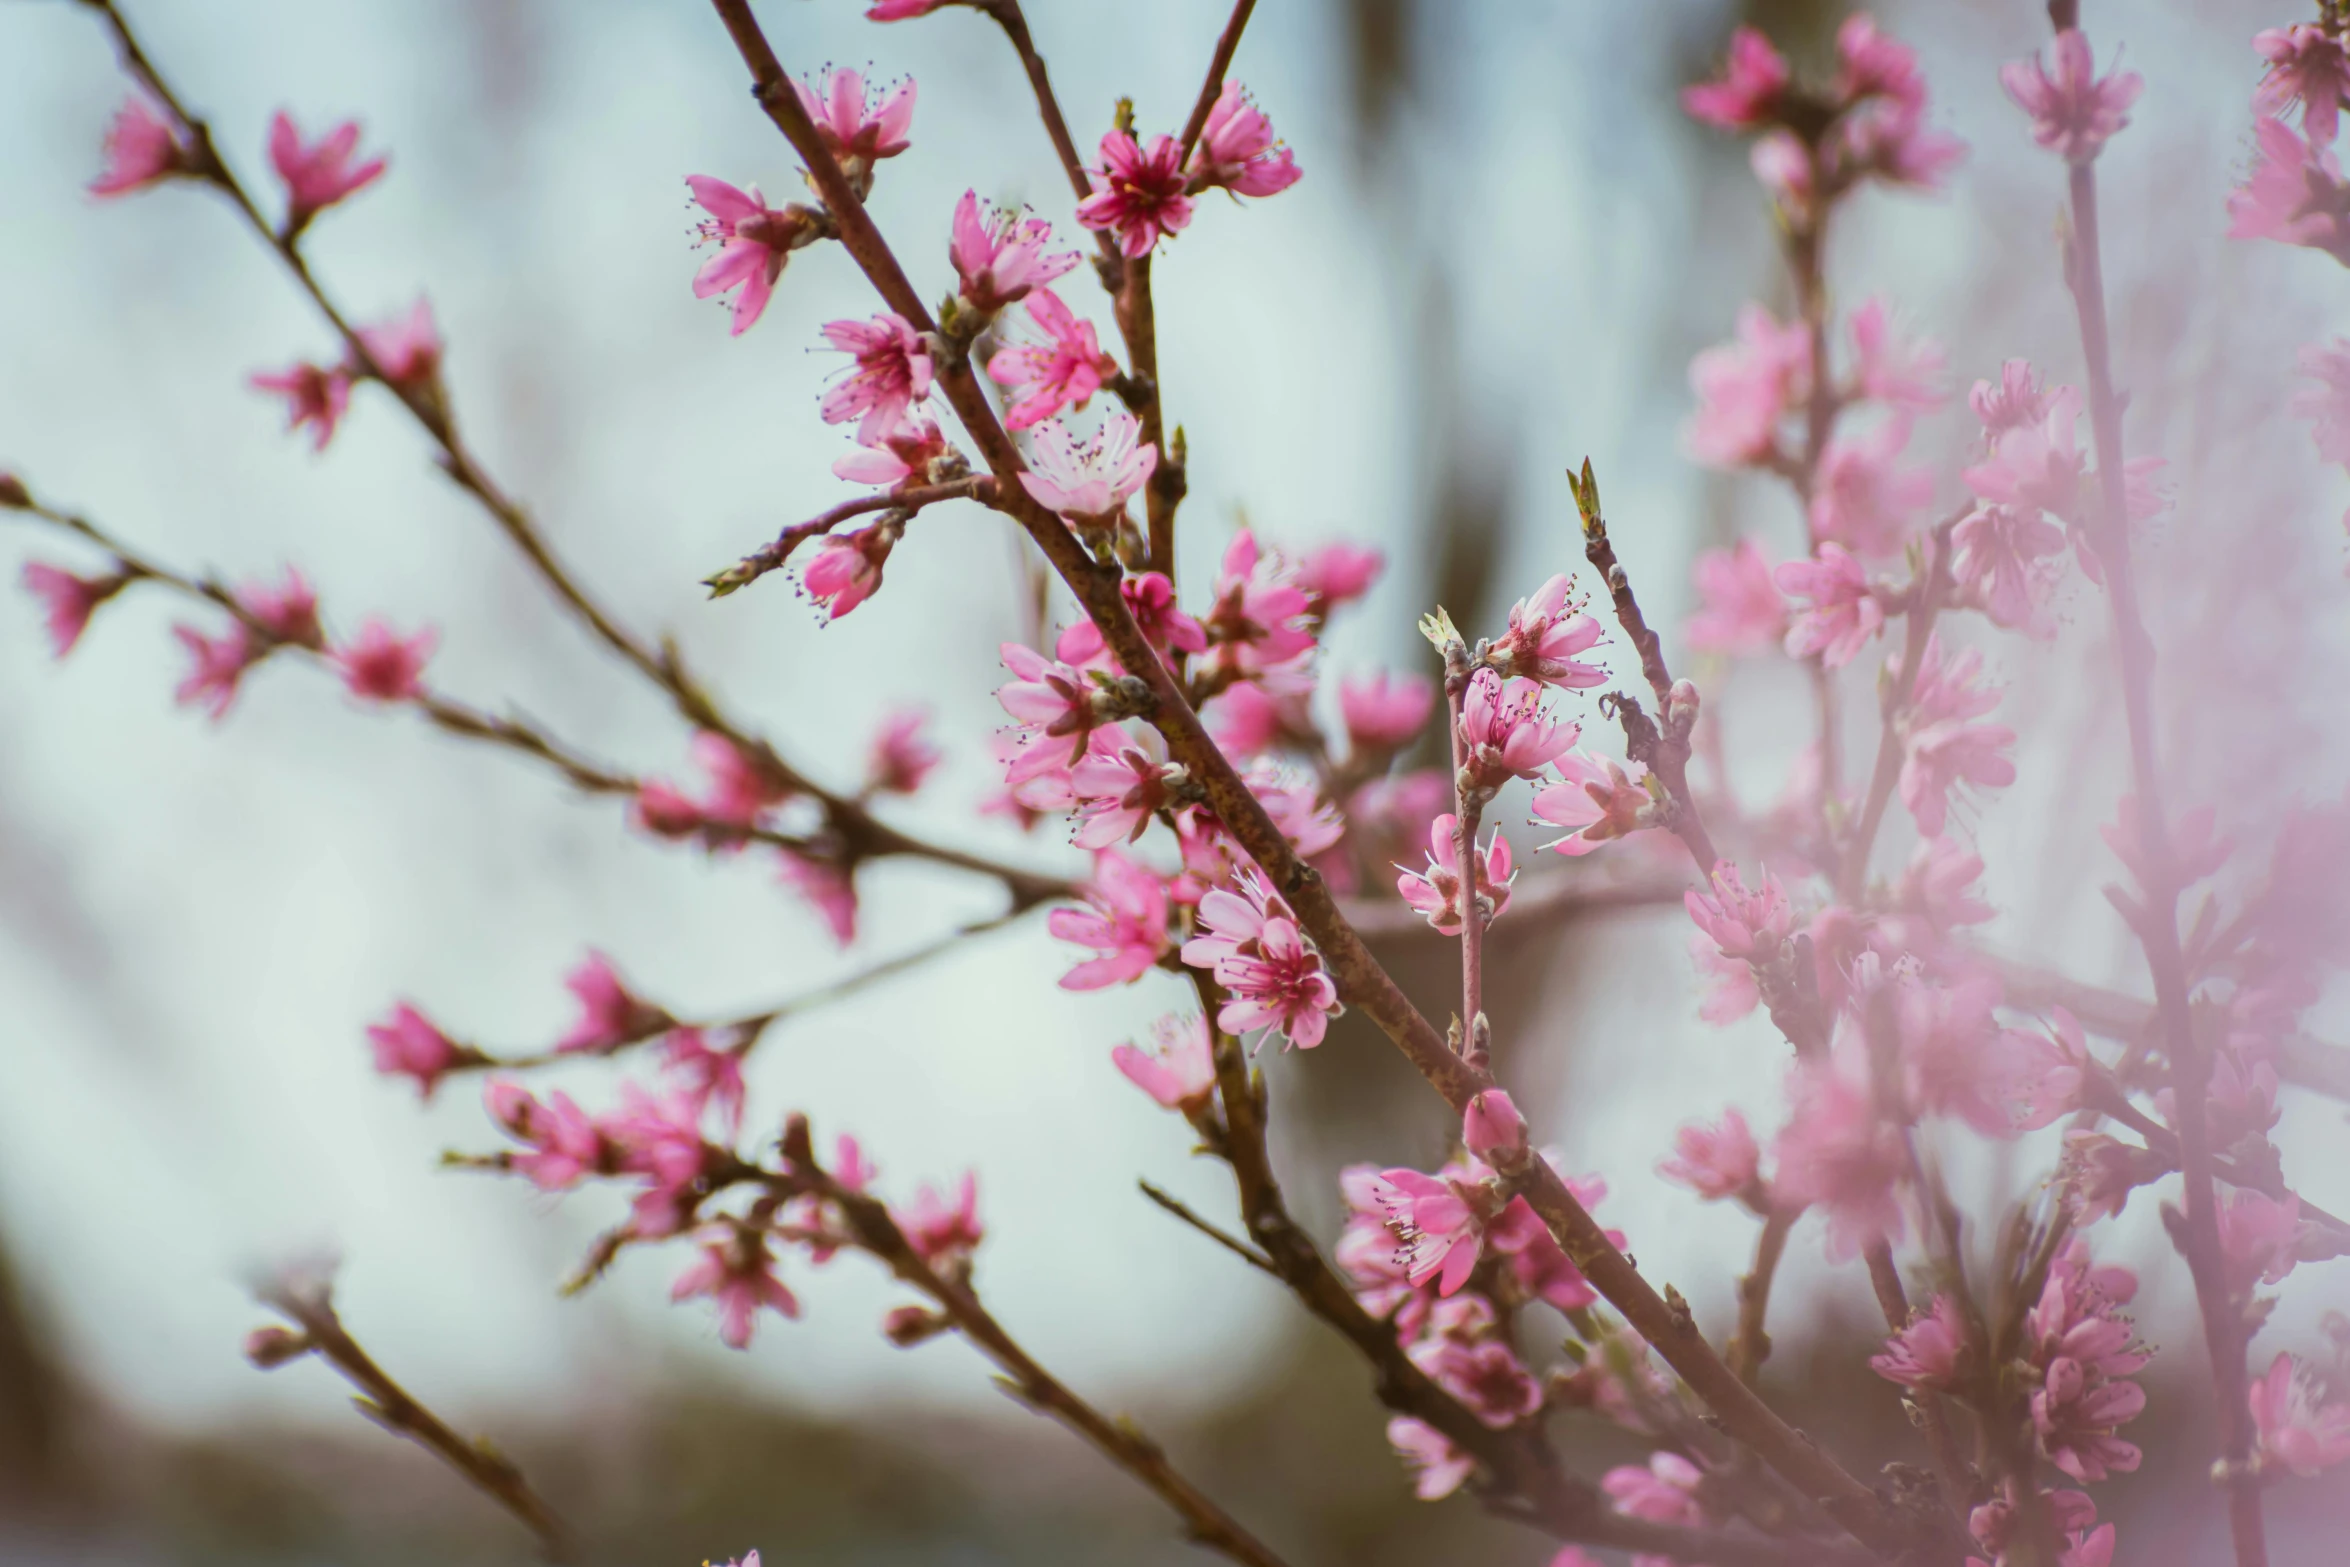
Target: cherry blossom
{"x": 1123, "y": 793}
{"x": 1715, "y": 1161}
{"x": 565, "y": 1145}
{"x": 943, "y": 1232}
{"x": 2073, "y": 111}
{"x": 1138, "y": 193}
{"x": 1745, "y": 388}
{"x": 321, "y": 174}
{"x": 408, "y": 1044}
{"x": 1436, "y": 891}
{"x": 1740, "y": 609}
{"x": 1905, "y": 374}
{"x": 2084, "y": 1351}
{"x": 1125, "y": 920}
{"x": 1995, "y": 560}
{"x": 1062, "y": 372}
{"x": 1437, "y": 1232}
{"x": 710, "y": 1077}
{"x": 2294, "y": 194}
{"x": 142, "y": 149}
{"x": 737, "y": 1275}
{"x": 1748, "y": 924}
{"x": 2299, "y": 1430}
{"x": 1001, "y": 257}
{"x": 1180, "y": 1067}
{"x": 1089, "y": 482}
{"x": 315, "y": 397}
{"x": 890, "y": 374}
{"x": 1844, "y": 610}
{"x": 1488, "y": 1378}
{"x": 2017, "y": 401}
{"x": 406, "y": 349}
{"x": 901, "y": 755}
{"x": 1838, "y": 1155}
{"x": 610, "y": 1014}
{"x": 67, "y": 601}
{"x": 1384, "y": 711}
{"x": 827, "y": 885}
{"x": 854, "y": 124}
{"x": 754, "y": 241}
{"x": 1337, "y": 574}
{"x": 1254, "y": 624}
{"x": 215, "y": 665}
{"x": 380, "y": 665}
{"x": 1505, "y": 732}
{"x": 1237, "y": 152}
{"x": 847, "y": 567}
{"x": 1250, "y": 939}
{"x": 1944, "y": 747}
{"x": 2259, "y": 1238}
{"x": 1748, "y": 92}
{"x": 1545, "y": 633}
{"x": 1664, "y": 1491}
{"x": 2307, "y": 65}
{"x": 1864, "y": 496}
{"x": 1492, "y": 1125}
{"x": 1438, "y": 1468}
{"x": 2326, "y": 405}
{"x": 1596, "y": 800}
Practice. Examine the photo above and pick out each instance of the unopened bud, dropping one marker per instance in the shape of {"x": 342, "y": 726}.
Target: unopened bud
{"x": 1681, "y": 708}
{"x": 1493, "y": 1125}
{"x": 269, "y": 1348}
{"x": 13, "y": 494}
{"x": 906, "y": 1326}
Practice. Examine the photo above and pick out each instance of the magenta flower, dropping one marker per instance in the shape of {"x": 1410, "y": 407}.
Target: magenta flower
{"x": 2308, "y": 65}
{"x": 407, "y": 1044}
{"x": 2294, "y": 194}
{"x": 853, "y": 123}
{"x": 1122, "y": 794}
{"x": 901, "y": 755}
{"x": 142, "y": 149}
{"x": 1492, "y": 1125}
{"x": 1995, "y": 559}
{"x": 1438, "y": 1468}
{"x": 2084, "y": 1350}
{"x": 1062, "y": 372}
{"x": 565, "y": 1144}
{"x": 380, "y": 665}
{"x": 1237, "y": 152}
{"x": 1745, "y": 388}
{"x": 846, "y": 570}
{"x": 1747, "y": 93}
{"x": 902, "y": 454}
{"x": 1596, "y": 800}
{"x": 1249, "y": 937}
{"x": 406, "y": 349}
{"x": 610, "y": 1014}
{"x": 1436, "y": 1230}
{"x": 1838, "y": 1155}
{"x": 1715, "y": 1161}
{"x": 1740, "y": 609}
{"x": 315, "y": 396}
{"x": 1054, "y": 705}
{"x": 1505, "y": 732}
{"x": 1545, "y": 633}
{"x": 1928, "y": 1353}
{"x": 216, "y": 664}
{"x": 1001, "y": 257}
{"x": 1844, "y": 611}
{"x": 319, "y": 175}
{"x": 2073, "y": 111}
{"x": 1125, "y": 920}
{"x": 709, "y": 1077}
{"x": 943, "y": 1233}
{"x": 2297, "y": 1430}
{"x": 1088, "y": 483}
{"x": 1864, "y": 497}
{"x": 1138, "y": 193}
{"x": 736, "y": 1274}
{"x": 67, "y": 601}
{"x": 742, "y": 789}
{"x": 1487, "y": 1377}
{"x": 1179, "y": 1069}
{"x": 1943, "y": 747}
{"x": 897, "y": 11}
{"x": 890, "y": 375}
{"x": 1752, "y": 925}
{"x": 754, "y": 241}
{"x": 1150, "y": 599}
{"x": 1255, "y": 623}
{"x": 1436, "y": 891}
{"x": 827, "y": 886}
{"x": 1383, "y": 711}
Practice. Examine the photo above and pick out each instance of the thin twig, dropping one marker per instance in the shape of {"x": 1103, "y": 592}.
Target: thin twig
{"x": 1227, "y": 43}
{"x": 1233, "y": 1244}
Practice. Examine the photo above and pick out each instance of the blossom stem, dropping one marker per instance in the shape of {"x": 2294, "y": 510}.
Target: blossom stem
{"x": 1468, "y": 807}
{"x": 1014, "y": 22}
{"x": 1231, "y": 1243}
{"x": 1950, "y": 1465}
{"x": 1925, "y": 605}
{"x": 1750, "y": 1345}
{"x": 1227, "y": 43}
{"x": 772, "y": 556}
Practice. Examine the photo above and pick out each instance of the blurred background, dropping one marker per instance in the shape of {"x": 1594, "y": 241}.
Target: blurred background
{"x": 1507, "y": 244}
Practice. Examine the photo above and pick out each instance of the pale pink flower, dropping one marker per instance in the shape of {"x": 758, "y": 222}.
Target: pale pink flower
{"x": 321, "y": 174}
{"x": 2308, "y": 65}
{"x": 2084, "y": 1351}
{"x": 1939, "y": 885}
{"x": 1384, "y": 711}
{"x": 1293, "y": 798}
{"x": 1537, "y": 1261}
{"x": 1744, "y": 389}
{"x": 852, "y": 122}
{"x": 710, "y": 1077}
{"x": 1993, "y": 1524}
{"x": 1138, "y": 192}
{"x": 1237, "y": 151}
{"x": 2018, "y": 400}
{"x": 2294, "y": 194}
{"x": 1882, "y": 130}
{"x": 2259, "y": 1238}
{"x": 659, "y": 1137}
{"x": 1752, "y": 925}
{"x": 847, "y": 567}
{"x": 1729, "y": 983}
{"x": 1246, "y": 719}
{"x": 1150, "y": 599}
{"x": 1250, "y": 938}
{"x": 891, "y": 372}
{"x": 1437, "y": 1231}
{"x": 901, "y": 754}
{"x": 565, "y": 1144}
{"x": 1438, "y": 1468}
{"x": 407, "y": 1044}
{"x": 2073, "y": 111}
{"x": 1943, "y": 748}
{"x": 1001, "y": 257}
{"x": 2197, "y": 849}
{"x": 1255, "y": 623}
{"x": 1337, "y": 574}
{"x": 1665, "y": 1491}
{"x": 737, "y": 1275}
{"x": 2299, "y": 1429}
{"x": 216, "y": 664}
{"x": 1929, "y": 1352}
{"x": 1956, "y": 1059}
{"x": 1124, "y": 919}
{"x": 1740, "y": 609}
{"x": 610, "y": 1014}
{"x": 1505, "y": 732}
{"x": 141, "y": 150}
{"x": 1123, "y": 793}
{"x": 1596, "y": 800}
{"x": 1546, "y": 632}
{"x": 2100, "y": 1172}
{"x": 743, "y": 788}
{"x": 1062, "y": 372}
{"x": 1436, "y": 891}
{"x": 407, "y": 349}
{"x": 1873, "y": 65}
{"x": 943, "y": 1233}
{"x": 380, "y": 665}
{"x": 67, "y": 601}
{"x": 1088, "y": 482}
{"x": 1180, "y": 1067}
{"x": 1838, "y": 1155}
{"x": 1865, "y": 496}
{"x": 315, "y": 396}
{"x": 1492, "y": 1125}
{"x": 1053, "y": 704}
{"x": 2326, "y": 405}
{"x": 1715, "y": 1161}
{"x": 754, "y": 241}
{"x": 1747, "y": 93}
{"x": 1904, "y": 373}
{"x": 1487, "y": 1378}
{"x": 1844, "y": 610}
{"x": 1995, "y": 556}
{"x": 827, "y": 886}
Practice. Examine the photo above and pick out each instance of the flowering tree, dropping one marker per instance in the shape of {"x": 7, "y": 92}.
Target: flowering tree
{"x": 1240, "y": 849}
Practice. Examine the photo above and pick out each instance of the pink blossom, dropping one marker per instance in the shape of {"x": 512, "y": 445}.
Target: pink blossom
{"x": 315, "y": 396}
{"x": 1844, "y": 611}
{"x": 2327, "y": 405}
{"x": 1939, "y": 884}
{"x": 1882, "y": 130}
{"x": 852, "y": 123}
{"x": 1180, "y": 1067}
{"x": 1746, "y": 387}
{"x": 141, "y": 150}
{"x": 1123, "y": 793}
{"x": 1237, "y": 151}
{"x": 565, "y": 1144}
{"x": 1384, "y": 711}
{"x": 1293, "y": 798}
{"x": 1488, "y": 1378}
{"x": 1740, "y": 609}
{"x": 610, "y": 1014}
{"x": 380, "y": 665}
{"x": 711, "y": 1077}
{"x": 2294, "y": 194}
{"x": 1837, "y": 1154}
{"x": 1437, "y": 1232}
{"x": 1715, "y": 1161}
{"x": 1250, "y": 938}
{"x": 943, "y": 1234}
{"x": 2015, "y": 402}
{"x": 407, "y": 1044}
{"x": 1505, "y": 732}
{"x": 1150, "y": 599}
{"x": 216, "y": 664}
{"x": 1088, "y": 482}
{"x": 1138, "y": 192}
{"x": 1337, "y": 574}
{"x": 1545, "y": 633}
{"x": 1747, "y": 93}
{"x": 2073, "y": 112}
{"x": 1437, "y": 1467}
{"x": 743, "y": 787}
{"x": 1246, "y": 719}
{"x": 901, "y": 755}
{"x": 1956, "y": 1059}
{"x": 2259, "y": 1238}
{"x": 660, "y": 1139}
{"x": 754, "y": 241}
{"x": 1054, "y": 705}
{"x": 2298, "y": 1430}
{"x": 1993, "y": 1524}
{"x": 1436, "y": 892}
{"x": 1001, "y": 257}
{"x": 2084, "y": 1352}
{"x": 896, "y": 11}
{"x": 1872, "y": 65}
{"x": 1254, "y": 624}
{"x": 828, "y": 886}
{"x": 1994, "y": 560}
{"x": 67, "y": 601}
{"x": 737, "y": 1275}
{"x": 1596, "y": 800}
{"x": 2308, "y": 65}
{"x": 1125, "y": 920}
{"x": 1906, "y": 374}
{"x": 319, "y": 175}
{"x": 1865, "y": 497}
{"x": 1943, "y": 749}
{"x": 2100, "y": 1172}
{"x": 890, "y": 374}
{"x": 1062, "y": 372}
{"x": 2037, "y": 467}
{"x": 847, "y": 568}
{"x": 1665, "y": 1491}
{"x": 1730, "y": 988}
{"x": 1538, "y": 1263}
{"x": 407, "y": 349}
{"x": 1744, "y": 924}
{"x": 2196, "y": 847}
{"x": 1492, "y": 1125}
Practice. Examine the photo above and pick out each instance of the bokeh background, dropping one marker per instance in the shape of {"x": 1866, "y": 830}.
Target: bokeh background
{"x": 1506, "y": 247}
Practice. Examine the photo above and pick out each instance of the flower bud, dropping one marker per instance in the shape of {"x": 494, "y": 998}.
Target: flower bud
{"x": 1493, "y": 1125}
{"x": 269, "y": 1348}
{"x": 906, "y": 1326}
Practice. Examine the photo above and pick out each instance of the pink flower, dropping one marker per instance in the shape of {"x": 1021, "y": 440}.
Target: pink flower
{"x": 565, "y": 1144}
{"x": 141, "y": 150}
{"x": 896, "y": 11}
{"x": 610, "y": 1014}
{"x": 67, "y": 601}
{"x": 1150, "y": 599}
{"x": 1337, "y": 574}
{"x": 847, "y": 568}
{"x": 2073, "y": 112}
{"x": 2327, "y": 405}
{"x": 1125, "y": 920}
{"x": 895, "y": 456}
{"x": 1255, "y": 622}
{"x": 1383, "y": 711}
{"x": 1596, "y": 800}
{"x": 754, "y": 241}
{"x": 380, "y": 665}
{"x": 407, "y": 349}
{"x": 1486, "y": 1377}
{"x": 828, "y": 886}
{"x": 1138, "y": 193}
{"x": 1438, "y": 1233}
{"x": 2294, "y": 194}
{"x": 1001, "y": 257}
{"x": 1089, "y": 482}
{"x": 1063, "y": 372}
{"x": 2259, "y": 1238}
{"x": 1928, "y": 1353}
{"x": 1908, "y": 374}
{"x": 1943, "y": 748}
{"x": 1293, "y": 799}
{"x": 1837, "y": 1154}
{"x": 1237, "y": 152}
{"x": 1745, "y": 388}
{"x": 1492, "y": 1125}
{"x": 2297, "y": 1431}
{"x": 2015, "y": 402}
{"x": 1740, "y": 609}
{"x": 1865, "y": 497}
{"x": 737, "y": 1275}
{"x": 851, "y": 123}
{"x": 1993, "y": 1524}
{"x": 1180, "y": 1067}
{"x": 711, "y": 1077}
{"x": 942, "y": 1233}
{"x": 743, "y": 786}
{"x": 1054, "y": 706}
{"x": 406, "y": 1044}
{"x": 216, "y": 664}
{"x": 1437, "y": 1467}
{"x": 1752, "y": 925}
{"x": 2084, "y": 1350}
{"x": 901, "y": 756}
{"x": 317, "y": 176}
{"x": 1714, "y": 1161}
{"x": 1664, "y": 1492}
{"x": 1939, "y": 884}
{"x": 2307, "y": 64}
{"x": 890, "y": 375}
{"x": 315, "y": 396}
{"x": 1250, "y": 939}
{"x": 1747, "y": 93}
{"x": 1504, "y": 731}
{"x": 1994, "y": 556}
{"x": 1436, "y": 891}
{"x": 1545, "y": 633}
{"x": 1123, "y": 794}
{"x": 1730, "y": 988}
{"x": 1844, "y": 611}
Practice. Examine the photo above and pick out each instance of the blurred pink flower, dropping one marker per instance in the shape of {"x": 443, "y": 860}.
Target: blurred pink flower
{"x": 2084, "y": 1351}
{"x": 943, "y": 1233}
{"x": 610, "y": 1014}
{"x": 1138, "y": 193}
{"x": 1844, "y": 611}
{"x": 1740, "y": 609}
{"x": 1752, "y": 925}
{"x": 2259, "y": 1238}
{"x": 216, "y": 664}
{"x": 2073, "y": 112}
{"x": 2018, "y": 400}
{"x": 141, "y": 149}
{"x": 315, "y": 396}
{"x": 2294, "y": 194}
{"x": 1665, "y": 1491}
{"x": 380, "y": 665}
{"x": 1715, "y": 1161}
{"x": 1747, "y": 92}
{"x": 407, "y": 1044}
{"x": 1837, "y": 1154}
{"x": 1237, "y": 152}
{"x": 1062, "y": 372}
{"x": 901, "y": 754}
{"x": 1904, "y": 373}
{"x": 1383, "y": 710}
{"x": 852, "y": 122}
{"x": 1180, "y": 1067}
{"x": 67, "y": 601}
{"x": 2327, "y": 405}
{"x": 1001, "y": 257}
{"x": 1864, "y": 496}
{"x": 407, "y": 349}
{"x": 1124, "y": 919}
{"x": 710, "y": 1077}
{"x": 1487, "y": 1377}
{"x": 2298, "y": 1430}
{"x": 1995, "y": 551}
{"x": 1437, "y": 1467}
{"x": 2307, "y": 65}
{"x": 565, "y": 1144}
{"x": 1338, "y": 573}
{"x": 737, "y": 1275}
{"x": 827, "y": 885}
{"x": 1744, "y": 388}
{"x": 321, "y": 174}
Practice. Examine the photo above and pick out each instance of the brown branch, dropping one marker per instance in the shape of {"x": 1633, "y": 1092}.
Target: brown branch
{"x": 1227, "y": 43}
{"x": 1014, "y": 22}
{"x": 903, "y": 504}
{"x": 1239, "y": 1248}
{"x": 1925, "y": 605}
{"x": 1750, "y": 1345}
